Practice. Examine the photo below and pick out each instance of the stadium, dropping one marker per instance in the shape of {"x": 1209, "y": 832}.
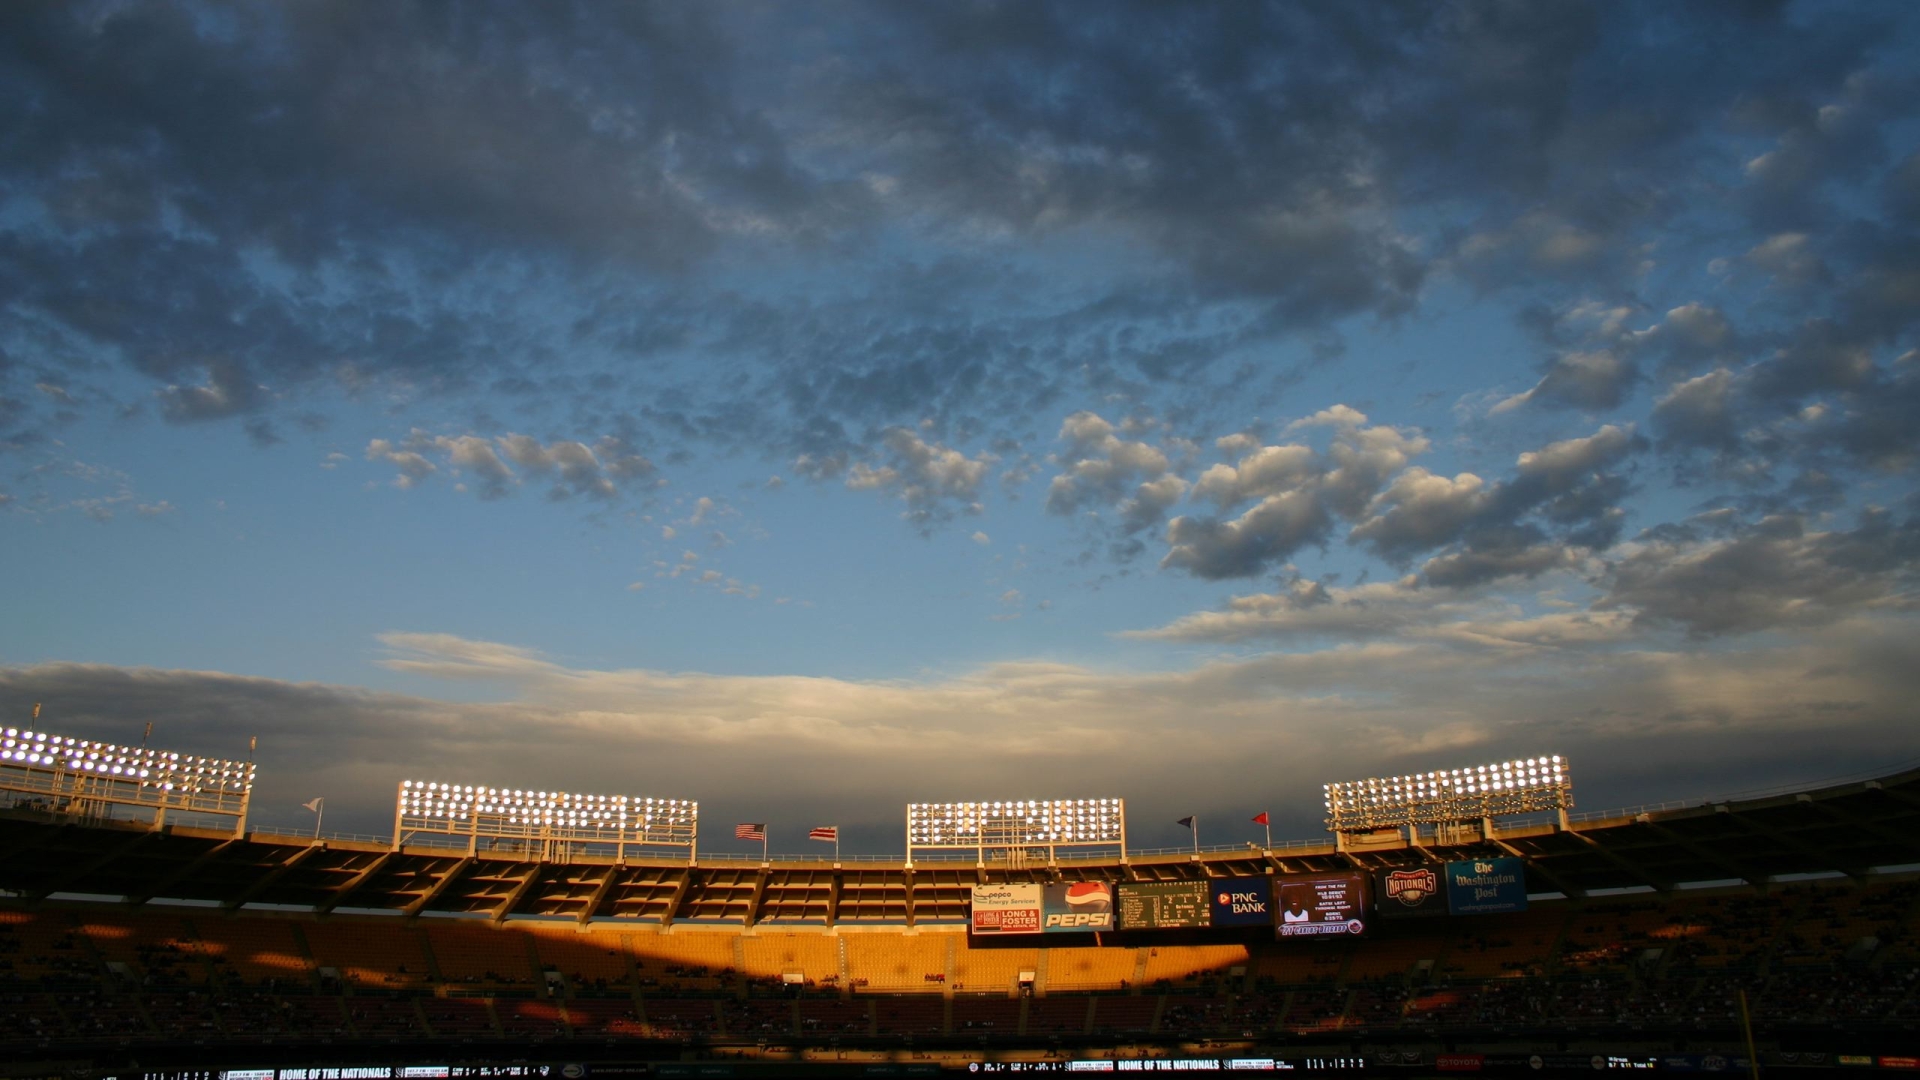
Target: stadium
{"x": 146, "y": 929}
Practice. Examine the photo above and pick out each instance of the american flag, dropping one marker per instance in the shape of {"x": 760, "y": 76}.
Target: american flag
{"x": 824, "y": 832}
{"x": 757, "y": 831}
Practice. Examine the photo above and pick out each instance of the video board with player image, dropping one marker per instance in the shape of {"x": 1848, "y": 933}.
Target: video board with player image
{"x": 1321, "y": 905}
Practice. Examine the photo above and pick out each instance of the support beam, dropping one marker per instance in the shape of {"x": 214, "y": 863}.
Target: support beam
{"x": 1614, "y": 857}
{"x": 1897, "y": 840}
{"x": 74, "y": 875}
{"x": 353, "y": 883}
{"x": 519, "y": 893}
{"x": 600, "y": 894}
{"x": 160, "y": 885}
{"x": 1567, "y": 889}
{"x": 1819, "y": 858}
{"x": 834, "y": 886}
{"x": 424, "y": 900}
{"x": 49, "y": 835}
{"x": 679, "y": 899}
{"x": 909, "y": 888}
{"x": 270, "y": 877}
{"x": 1708, "y": 855}
{"x": 758, "y": 899}
{"x": 1896, "y": 796}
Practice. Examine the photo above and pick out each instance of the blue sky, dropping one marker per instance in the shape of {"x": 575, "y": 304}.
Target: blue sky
{"x": 812, "y": 409}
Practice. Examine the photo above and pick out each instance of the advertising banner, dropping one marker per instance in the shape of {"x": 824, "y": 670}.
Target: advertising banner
{"x": 1164, "y": 905}
{"x": 1486, "y": 886}
{"x": 1320, "y": 905}
{"x": 1410, "y": 893}
{"x": 1006, "y": 909}
{"x": 1082, "y": 907}
{"x": 1242, "y": 901}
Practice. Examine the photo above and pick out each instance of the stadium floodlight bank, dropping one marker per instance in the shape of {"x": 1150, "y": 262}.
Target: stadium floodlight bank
{"x": 1445, "y": 796}
{"x": 81, "y": 776}
{"x": 545, "y": 824}
{"x": 1017, "y": 826}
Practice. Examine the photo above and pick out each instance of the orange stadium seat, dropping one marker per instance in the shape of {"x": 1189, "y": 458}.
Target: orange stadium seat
{"x": 897, "y": 962}
{"x": 483, "y": 954}
{"x": 370, "y": 952}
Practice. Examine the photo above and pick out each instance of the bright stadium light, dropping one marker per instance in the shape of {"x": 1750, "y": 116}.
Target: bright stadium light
{"x": 1018, "y": 823}
{"x": 1470, "y": 793}
{"x": 476, "y": 811}
{"x": 84, "y": 774}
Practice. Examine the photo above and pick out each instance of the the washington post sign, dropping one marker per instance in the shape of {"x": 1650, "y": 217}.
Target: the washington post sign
{"x": 1486, "y": 886}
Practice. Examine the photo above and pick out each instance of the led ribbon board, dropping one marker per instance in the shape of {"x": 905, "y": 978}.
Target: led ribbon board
{"x": 511, "y": 813}
{"x": 73, "y": 771}
{"x": 1018, "y": 823}
{"x": 1467, "y": 794}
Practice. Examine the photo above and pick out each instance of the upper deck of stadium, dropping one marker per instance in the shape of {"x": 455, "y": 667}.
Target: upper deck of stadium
{"x": 1857, "y": 830}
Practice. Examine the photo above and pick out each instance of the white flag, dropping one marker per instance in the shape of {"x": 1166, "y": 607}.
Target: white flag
{"x": 314, "y": 805}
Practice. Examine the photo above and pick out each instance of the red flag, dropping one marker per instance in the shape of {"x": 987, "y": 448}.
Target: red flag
{"x": 824, "y": 832}
{"x": 1260, "y": 818}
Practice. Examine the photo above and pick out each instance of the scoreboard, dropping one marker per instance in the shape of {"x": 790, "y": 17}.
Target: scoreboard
{"x": 1165, "y": 905}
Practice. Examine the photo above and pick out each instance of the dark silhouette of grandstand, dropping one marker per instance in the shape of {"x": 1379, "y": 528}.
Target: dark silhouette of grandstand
{"x": 118, "y": 942}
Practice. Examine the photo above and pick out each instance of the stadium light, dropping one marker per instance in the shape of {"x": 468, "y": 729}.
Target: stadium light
{"x": 476, "y": 811}
{"x": 86, "y": 775}
{"x": 1017, "y": 823}
{"x": 1470, "y": 793}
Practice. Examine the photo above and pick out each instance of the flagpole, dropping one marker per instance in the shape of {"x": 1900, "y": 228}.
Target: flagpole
{"x": 319, "y": 816}
{"x": 1269, "y": 825}
{"x": 1196, "y": 834}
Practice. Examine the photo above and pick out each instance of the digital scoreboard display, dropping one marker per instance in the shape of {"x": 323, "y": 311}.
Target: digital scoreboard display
{"x": 1322, "y": 905}
{"x": 1165, "y": 905}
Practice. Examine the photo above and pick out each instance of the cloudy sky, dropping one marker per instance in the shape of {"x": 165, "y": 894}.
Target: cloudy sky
{"x": 809, "y": 408}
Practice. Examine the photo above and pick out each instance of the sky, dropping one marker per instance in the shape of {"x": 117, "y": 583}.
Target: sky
{"x": 813, "y": 408}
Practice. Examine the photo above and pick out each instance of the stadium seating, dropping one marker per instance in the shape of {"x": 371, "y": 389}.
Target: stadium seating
{"x": 1805, "y": 957}
{"x": 479, "y": 954}
{"x": 374, "y": 953}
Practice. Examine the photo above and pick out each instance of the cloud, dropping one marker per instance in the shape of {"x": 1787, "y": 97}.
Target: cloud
{"x": 1268, "y": 470}
{"x": 228, "y": 391}
{"x": 1774, "y": 573}
{"x": 1566, "y": 483}
{"x": 573, "y": 467}
{"x": 1789, "y": 259}
{"x": 1100, "y": 469}
{"x": 1698, "y": 412}
{"x": 1300, "y": 495}
{"x": 1591, "y": 380}
{"x": 414, "y": 467}
{"x": 1834, "y": 699}
{"x": 1312, "y": 609}
{"x": 1420, "y": 511}
{"x": 933, "y": 480}
{"x": 477, "y": 457}
{"x": 1273, "y": 529}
